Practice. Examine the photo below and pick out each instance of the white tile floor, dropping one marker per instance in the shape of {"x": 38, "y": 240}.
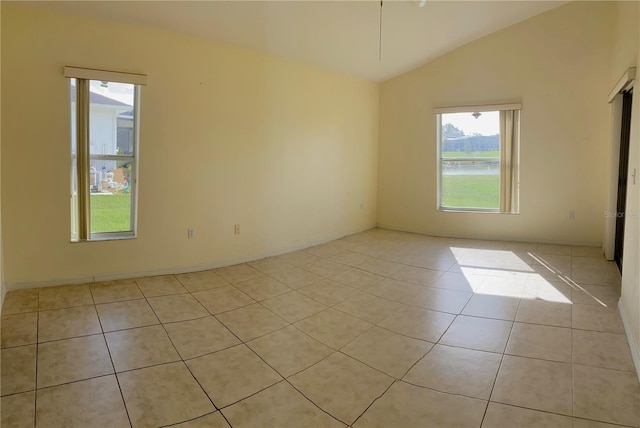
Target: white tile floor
{"x": 376, "y": 329}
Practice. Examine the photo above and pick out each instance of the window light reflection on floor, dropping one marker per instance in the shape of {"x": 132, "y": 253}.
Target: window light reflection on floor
{"x": 526, "y": 275}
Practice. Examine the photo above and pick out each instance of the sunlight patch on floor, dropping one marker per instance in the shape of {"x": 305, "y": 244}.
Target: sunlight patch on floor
{"x": 506, "y": 274}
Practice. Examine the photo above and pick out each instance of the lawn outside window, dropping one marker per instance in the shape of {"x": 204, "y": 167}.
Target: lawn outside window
{"x": 478, "y": 158}
{"x": 105, "y": 109}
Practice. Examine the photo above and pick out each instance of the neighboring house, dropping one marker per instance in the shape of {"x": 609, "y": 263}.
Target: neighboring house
{"x": 107, "y": 116}
{"x": 111, "y": 131}
{"x": 125, "y": 133}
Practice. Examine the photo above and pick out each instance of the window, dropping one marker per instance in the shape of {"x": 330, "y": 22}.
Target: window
{"x": 478, "y": 158}
{"x": 105, "y": 110}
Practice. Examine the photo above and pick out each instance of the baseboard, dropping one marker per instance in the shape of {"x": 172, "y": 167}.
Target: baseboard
{"x": 3, "y": 291}
{"x": 635, "y": 350}
{"x": 176, "y": 269}
{"x": 488, "y": 237}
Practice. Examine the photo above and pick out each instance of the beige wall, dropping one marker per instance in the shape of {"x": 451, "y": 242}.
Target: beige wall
{"x": 630, "y": 299}
{"x": 290, "y": 152}
{"x": 228, "y": 136}
{"x": 625, "y": 38}
{"x": 558, "y": 65}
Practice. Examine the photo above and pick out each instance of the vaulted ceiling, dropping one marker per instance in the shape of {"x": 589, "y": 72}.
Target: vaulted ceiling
{"x": 337, "y": 35}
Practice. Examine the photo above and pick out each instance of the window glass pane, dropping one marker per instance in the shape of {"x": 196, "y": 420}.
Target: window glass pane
{"x": 471, "y": 184}
{"x": 470, "y": 134}
{"x": 74, "y": 171}
{"x": 111, "y": 118}
{"x": 74, "y": 199}
{"x": 108, "y": 152}
{"x": 110, "y": 183}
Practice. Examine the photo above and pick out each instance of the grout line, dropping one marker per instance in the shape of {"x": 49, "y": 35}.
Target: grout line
{"x": 538, "y": 410}
{"x": 319, "y": 361}
{"x": 573, "y": 380}
{"x": 66, "y": 307}
{"x": 164, "y": 363}
{"x": 178, "y": 353}
{"x": 374, "y": 400}
{"x": 366, "y": 364}
{"x": 193, "y": 419}
{"x": 495, "y": 379}
{"x": 312, "y": 402}
{"x": 19, "y": 392}
{"x": 225, "y": 418}
{"x": 226, "y": 406}
{"x": 113, "y": 366}
{"x": 209, "y": 353}
{"x": 130, "y": 328}
{"x": 71, "y": 382}
{"x": 407, "y": 336}
{"x": 120, "y": 301}
{"x": 452, "y": 394}
{"x": 68, "y": 338}
{"x": 35, "y": 387}
{"x": 604, "y": 368}
{"x": 379, "y": 257}
{"x": 296, "y": 321}
{"x": 433, "y": 345}
{"x": 19, "y": 313}
{"x": 284, "y": 379}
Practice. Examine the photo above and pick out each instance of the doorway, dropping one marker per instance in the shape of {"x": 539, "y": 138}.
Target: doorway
{"x": 623, "y": 173}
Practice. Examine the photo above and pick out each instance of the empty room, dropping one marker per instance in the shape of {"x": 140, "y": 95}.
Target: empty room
{"x": 319, "y": 214}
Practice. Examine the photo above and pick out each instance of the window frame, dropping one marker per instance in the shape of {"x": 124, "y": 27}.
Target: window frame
{"x": 81, "y": 160}
{"x": 515, "y": 166}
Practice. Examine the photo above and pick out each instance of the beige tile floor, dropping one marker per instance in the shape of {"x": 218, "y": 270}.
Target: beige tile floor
{"x": 380, "y": 328}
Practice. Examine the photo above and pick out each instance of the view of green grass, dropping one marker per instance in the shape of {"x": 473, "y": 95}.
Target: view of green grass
{"x": 110, "y": 213}
{"x": 490, "y": 154}
{"x": 471, "y": 191}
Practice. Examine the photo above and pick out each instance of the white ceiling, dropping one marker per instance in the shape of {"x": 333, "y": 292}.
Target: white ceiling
{"x": 336, "y": 35}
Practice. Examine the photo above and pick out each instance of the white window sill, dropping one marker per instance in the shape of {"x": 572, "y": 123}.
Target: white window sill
{"x": 106, "y": 238}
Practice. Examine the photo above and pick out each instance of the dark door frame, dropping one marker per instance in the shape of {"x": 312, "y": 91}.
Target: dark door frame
{"x": 623, "y": 174}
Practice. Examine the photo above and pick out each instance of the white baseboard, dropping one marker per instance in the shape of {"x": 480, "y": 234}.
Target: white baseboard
{"x": 488, "y": 237}
{"x": 3, "y": 291}
{"x": 635, "y": 350}
{"x": 176, "y": 269}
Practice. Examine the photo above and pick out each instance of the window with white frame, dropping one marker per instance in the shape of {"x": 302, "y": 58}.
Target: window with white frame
{"x": 105, "y": 119}
{"x": 478, "y": 158}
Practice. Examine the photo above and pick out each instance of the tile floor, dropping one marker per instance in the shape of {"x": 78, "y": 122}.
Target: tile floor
{"x": 380, "y": 328}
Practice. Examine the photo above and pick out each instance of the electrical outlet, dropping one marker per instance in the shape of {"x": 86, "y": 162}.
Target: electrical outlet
{"x": 190, "y": 233}
{"x": 236, "y": 229}
{"x": 572, "y": 215}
